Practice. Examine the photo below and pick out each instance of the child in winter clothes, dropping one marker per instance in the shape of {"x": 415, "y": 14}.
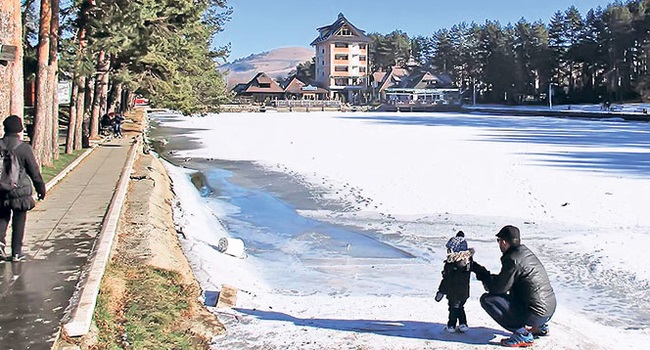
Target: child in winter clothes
{"x": 455, "y": 282}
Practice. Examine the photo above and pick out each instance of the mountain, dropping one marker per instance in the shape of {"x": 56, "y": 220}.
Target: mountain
{"x": 276, "y": 63}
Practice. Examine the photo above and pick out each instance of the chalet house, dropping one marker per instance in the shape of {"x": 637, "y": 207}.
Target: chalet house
{"x": 414, "y": 85}
{"x": 341, "y": 61}
{"x": 381, "y": 81}
{"x": 260, "y": 89}
{"x": 295, "y": 89}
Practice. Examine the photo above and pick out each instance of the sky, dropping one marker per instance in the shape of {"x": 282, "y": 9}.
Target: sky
{"x": 408, "y": 182}
{"x": 262, "y": 25}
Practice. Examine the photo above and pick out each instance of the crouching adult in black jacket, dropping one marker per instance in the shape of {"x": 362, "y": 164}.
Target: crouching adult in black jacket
{"x": 520, "y": 298}
{"x": 18, "y": 200}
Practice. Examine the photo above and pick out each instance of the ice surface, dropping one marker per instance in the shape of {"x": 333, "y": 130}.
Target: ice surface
{"x": 391, "y": 184}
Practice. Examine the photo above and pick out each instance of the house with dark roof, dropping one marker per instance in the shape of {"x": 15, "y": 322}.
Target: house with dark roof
{"x": 296, "y": 89}
{"x": 414, "y": 85}
{"x": 341, "y": 60}
{"x": 381, "y": 81}
{"x": 260, "y": 89}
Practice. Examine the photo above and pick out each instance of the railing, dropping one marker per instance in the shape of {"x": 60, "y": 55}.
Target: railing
{"x": 423, "y": 103}
{"x": 306, "y": 103}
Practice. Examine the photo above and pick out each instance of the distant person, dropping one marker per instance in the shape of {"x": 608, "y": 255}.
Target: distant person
{"x": 607, "y": 105}
{"x": 520, "y": 298}
{"x": 455, "y": 282}
{"x": 117, "y": 125}
{"x": 106, "y": 124}
{"x": 16, "y": 193}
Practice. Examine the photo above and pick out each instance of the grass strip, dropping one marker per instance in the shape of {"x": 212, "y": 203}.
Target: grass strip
{"x": 59, "y": 164}
{"x": 149, "y": 311}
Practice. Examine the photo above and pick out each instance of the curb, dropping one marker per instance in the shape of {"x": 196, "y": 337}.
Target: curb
{"x": 81, "y": 317}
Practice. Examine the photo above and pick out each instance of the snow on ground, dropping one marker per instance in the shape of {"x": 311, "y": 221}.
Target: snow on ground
{"x": 579, "y": 191}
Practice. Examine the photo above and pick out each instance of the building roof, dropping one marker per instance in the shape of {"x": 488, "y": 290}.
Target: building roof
{"x": 294, "y": 86}
{"x": 298, "y": 87}
{"x": 261, "y": 83}
{"x": 393, "y": 77}
{"x": 328, "y": 32}
{"x": 421, "y": 80}
{"x": 405, "y": 78}
{"x": 239, "y": 88}
{"x": 378, "y": 76}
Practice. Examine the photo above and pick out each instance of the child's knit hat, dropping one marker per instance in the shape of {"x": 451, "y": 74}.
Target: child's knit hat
{"x": 458, "y": 243}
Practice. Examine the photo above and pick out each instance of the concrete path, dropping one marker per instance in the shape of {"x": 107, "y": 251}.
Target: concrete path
{"x": 60, "y": 235}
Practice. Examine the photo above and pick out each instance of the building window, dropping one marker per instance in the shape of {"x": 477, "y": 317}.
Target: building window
{"x": 265, "y": 85}
{"x": 322, "y": 51}
{"x": 340, "y": 56}
{"x": 341, "y": 81}
{"x": 345, "y": 32}
{"x": 322, "y": 63}
{"x": 340, "y": 68}
{"x": 362, "y": 46}
{"x": 362, "y": 58}
{"x": 341, "y": 45}
{"x": 362, "y": 69}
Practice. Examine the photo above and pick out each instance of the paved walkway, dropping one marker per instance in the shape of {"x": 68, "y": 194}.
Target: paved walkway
{"x": 60, "y": 235}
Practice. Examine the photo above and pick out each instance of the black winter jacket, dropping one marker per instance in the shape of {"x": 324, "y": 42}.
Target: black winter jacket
{"x": 455, "y": 281}
{"x": 523, "y": 276}
{"x": 21, "y": 197}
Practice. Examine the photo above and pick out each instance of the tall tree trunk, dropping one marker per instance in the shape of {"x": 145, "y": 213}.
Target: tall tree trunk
{"x": 72, "y": 120}
{"x": 88, "y": 101}
{"x": 99, "y": 100}
{"x": 54, "y": 77}
{"x": 79, "y": 115}
{"x": 74, "y": 140}
{"x": 43, "y": 111}
{"x": 115, "y": 98}
{"x": 124, "y": 98}
{"x": 17, "y": 106}
{"x": 130, "y": 100}
{"x": 6, "y": 32}
{"x": 11, "y": 73}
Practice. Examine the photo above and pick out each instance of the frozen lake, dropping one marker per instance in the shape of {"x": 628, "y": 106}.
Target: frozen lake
{"x": 360, "y": 205}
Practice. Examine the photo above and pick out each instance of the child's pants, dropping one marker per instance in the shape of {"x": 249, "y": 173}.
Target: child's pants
{"x": 457, "y": 312}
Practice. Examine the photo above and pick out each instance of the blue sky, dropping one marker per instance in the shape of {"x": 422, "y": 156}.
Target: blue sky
{"x": 263, "y": 25}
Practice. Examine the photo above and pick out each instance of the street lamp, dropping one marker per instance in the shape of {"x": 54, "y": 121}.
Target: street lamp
{"x": 550, "y": 95}
{"x": 474, "y": 92}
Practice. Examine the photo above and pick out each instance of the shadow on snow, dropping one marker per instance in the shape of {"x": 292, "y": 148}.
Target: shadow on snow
{"x": 404, "y": 329}
{"x": 587, "y": 136}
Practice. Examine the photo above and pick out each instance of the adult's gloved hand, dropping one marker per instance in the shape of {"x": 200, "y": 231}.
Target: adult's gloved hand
{"x": 41, "y": 195}
{"x": 481, "y": 272}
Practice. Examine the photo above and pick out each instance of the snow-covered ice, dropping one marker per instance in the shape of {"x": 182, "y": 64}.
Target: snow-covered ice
{"x": 345, "y": 216}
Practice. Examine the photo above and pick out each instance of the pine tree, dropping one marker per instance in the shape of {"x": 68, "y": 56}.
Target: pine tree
{"x": 42, "y": 142}
{"x": 11, "y": 73}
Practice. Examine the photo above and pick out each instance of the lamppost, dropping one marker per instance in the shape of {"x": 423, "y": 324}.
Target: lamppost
{"x": 474, "y": 92}
{"x": 550, "y": 95}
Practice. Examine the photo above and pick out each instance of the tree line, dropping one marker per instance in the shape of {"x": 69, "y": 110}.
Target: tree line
{"x": 599, "y": 56}
{"x": 111, "y": 50}
{"x": 602, "y": 55}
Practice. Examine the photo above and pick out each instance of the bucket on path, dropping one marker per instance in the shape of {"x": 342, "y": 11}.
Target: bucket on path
{"x": 232, "y": 246}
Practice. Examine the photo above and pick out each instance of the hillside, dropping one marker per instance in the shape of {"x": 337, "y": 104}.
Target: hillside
{"x": 276, "y": 63}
